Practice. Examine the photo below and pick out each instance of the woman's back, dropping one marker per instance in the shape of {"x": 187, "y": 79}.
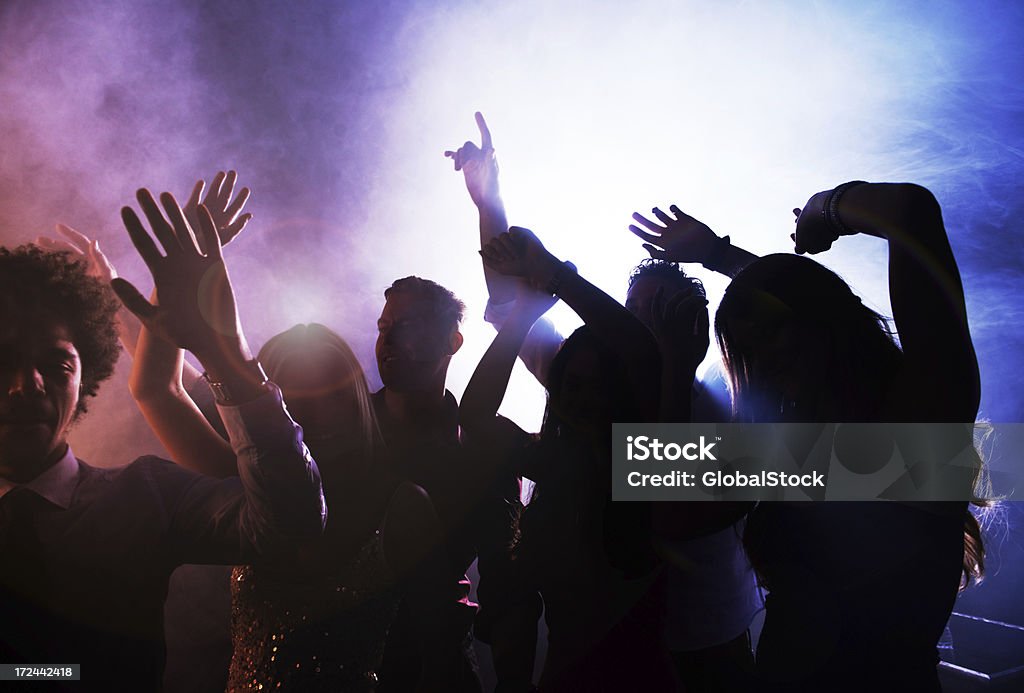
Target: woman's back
{"x": 858, "y": 591}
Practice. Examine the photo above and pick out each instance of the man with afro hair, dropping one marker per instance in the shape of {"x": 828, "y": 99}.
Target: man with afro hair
{"x": 88, "y": 552}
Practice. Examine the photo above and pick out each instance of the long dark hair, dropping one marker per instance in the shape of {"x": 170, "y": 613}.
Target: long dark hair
{"x": 846, "y": 356}
{"x": 846, "y": 352}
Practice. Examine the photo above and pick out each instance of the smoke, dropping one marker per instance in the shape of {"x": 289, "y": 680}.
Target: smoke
{"x": 336, "y": 117}
{"x": 337, "y": 114}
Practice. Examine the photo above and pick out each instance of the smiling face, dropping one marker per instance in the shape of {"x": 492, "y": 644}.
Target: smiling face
{"x": 40, "y": 380}
{"x": 413, "y": 350}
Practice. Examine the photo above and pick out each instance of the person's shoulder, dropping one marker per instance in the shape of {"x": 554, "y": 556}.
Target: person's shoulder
{"x": 151, "y": 472}
{"x": 149, "y": 479}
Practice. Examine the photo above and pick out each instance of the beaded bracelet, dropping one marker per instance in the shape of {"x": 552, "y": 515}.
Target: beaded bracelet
{"x": 830, "y": 211}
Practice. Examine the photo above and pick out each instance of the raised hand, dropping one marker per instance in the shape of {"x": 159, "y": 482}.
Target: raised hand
{"x": 225, "y": 212}
{"x": 479, "y": 166}
{"x": 813, "y": 233}
{"x": 196, "y": 308}
{"x": 682, "y": 328}
{"x": 519, "y": 253}
{"x": 79, "y": 244}
{"x": 679, "y": 239}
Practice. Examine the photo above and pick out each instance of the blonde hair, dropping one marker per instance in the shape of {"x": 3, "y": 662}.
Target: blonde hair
{"x": 300, "y": 339}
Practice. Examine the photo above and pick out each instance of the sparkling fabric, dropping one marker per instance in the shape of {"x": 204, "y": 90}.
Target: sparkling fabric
{"x": 315, "y": 630}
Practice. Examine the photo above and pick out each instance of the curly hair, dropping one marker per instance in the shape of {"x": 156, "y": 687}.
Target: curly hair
{"x": 37, "y": 284}
{"x": 669, "y": 272}
{"x": 448, "y": 309}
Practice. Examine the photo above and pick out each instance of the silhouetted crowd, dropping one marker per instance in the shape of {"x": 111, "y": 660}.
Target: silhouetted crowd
{"x": 353, "y": 517}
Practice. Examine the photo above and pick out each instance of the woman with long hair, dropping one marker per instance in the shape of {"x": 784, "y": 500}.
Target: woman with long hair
{"x": 316, "y": 617}
{"x": 592, "y": 560}
{"x": 859, "y": 593}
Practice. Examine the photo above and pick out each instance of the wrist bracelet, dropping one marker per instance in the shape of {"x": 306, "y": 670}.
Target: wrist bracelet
{"x": 717, "y": 255}
{"x": 830, "y": 211}
{"x": 223, "y": 394}
{"x": 563, "y": 271}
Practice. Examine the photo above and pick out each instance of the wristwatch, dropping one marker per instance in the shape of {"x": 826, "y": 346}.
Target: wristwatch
{"x": 223, "y": 393}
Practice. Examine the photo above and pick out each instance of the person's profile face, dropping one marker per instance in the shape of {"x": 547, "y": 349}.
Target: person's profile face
{"x": 411, "y": 348}
{"x": 40, "y": 381}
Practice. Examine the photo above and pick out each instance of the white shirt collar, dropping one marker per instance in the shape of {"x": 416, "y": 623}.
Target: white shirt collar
{"x": 57, "y": 484}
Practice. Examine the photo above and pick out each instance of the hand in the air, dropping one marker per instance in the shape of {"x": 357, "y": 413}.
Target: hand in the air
{"x": 519, "y": 253}
{"x": 225, "y": 212}
{"x": 78, "y": 244}
{"x": 196, "y": 308}
{"x": 813, "y": 233}
{"x": 679, "y": 239}
{"x": 479, "y": 166}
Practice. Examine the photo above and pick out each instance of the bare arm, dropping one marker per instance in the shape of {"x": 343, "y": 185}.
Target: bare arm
{"x": 486, "y": 389}
{"x": 480, "y": 171}
{"x": 941, "y": 380}
{"x": 160, "y": 375}
{"x": 520, "y": 253}
{"x": 157, "y": 387}
{"x": 282, "y": 496}
{"x": 479, "y": 167}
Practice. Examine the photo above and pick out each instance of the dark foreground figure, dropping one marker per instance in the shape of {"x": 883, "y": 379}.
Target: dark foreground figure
{"x": 88, "y": 552}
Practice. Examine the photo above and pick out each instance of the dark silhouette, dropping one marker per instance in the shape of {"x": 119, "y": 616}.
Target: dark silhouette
{"x": 859, "y": 592}
{"x": 592, "y": 560}
{"x": 94, "y": 549}
{"x": 476, "y": 500}
{"x": 315, "y": 617}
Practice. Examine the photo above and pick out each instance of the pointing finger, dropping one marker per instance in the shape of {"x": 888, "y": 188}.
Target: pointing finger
{"x": 485, "y": 132}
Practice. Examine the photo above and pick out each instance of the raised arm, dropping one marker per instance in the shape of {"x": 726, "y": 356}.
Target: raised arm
{"x": 685, "y": 239}
{"x": 486, "y": 389}
{"x": 161, "y": 377}
{"x": 480, "y": 170}
{"x": 197, "y": 311}
{"x": 520, "y": 253}
{"x": 941, "y": 380}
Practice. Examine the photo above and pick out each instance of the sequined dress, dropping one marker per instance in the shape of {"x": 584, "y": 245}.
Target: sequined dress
{"x": 320, "y": 630}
